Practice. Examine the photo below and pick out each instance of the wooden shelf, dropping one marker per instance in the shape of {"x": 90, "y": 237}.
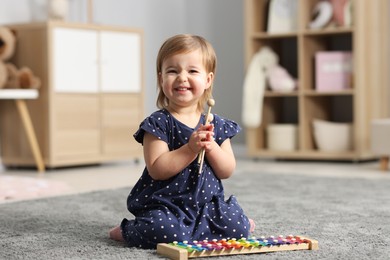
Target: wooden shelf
{"x": 329, "y": 31}
{"x": 365, "y": 100}
{"x": 268, "y": 93}
{"x": 265, "y": 35}
{"x": 345, "y": 92}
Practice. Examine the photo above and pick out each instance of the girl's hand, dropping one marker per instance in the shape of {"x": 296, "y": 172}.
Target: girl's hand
{"x": 208, "y": 141}
{"x": 202, "y": 138}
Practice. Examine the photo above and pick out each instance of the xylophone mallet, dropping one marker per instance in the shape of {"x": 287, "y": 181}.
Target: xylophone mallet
{"x": 210, "y": 103}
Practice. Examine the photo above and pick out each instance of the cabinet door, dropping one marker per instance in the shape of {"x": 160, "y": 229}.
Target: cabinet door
{"x": 75, "y": 60}
{"x": 75, "y": 128}
{"x": 120, "y": 60}
{"x": 121, "y": 115}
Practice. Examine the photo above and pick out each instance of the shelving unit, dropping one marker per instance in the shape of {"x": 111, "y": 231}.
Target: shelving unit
{"x": 91, "y": 99}
{"x": 368, "y": 41}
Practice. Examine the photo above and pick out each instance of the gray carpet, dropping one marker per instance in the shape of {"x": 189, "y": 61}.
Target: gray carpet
{"x": 349, "y": 217}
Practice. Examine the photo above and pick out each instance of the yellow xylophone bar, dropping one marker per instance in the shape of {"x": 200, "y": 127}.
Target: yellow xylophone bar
{"x": 177, "y": 253}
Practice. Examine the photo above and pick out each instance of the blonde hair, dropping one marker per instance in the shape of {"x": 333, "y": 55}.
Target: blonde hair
{"x": 184, "y": 43}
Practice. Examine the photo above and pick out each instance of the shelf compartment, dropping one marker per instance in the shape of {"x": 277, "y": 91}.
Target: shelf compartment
{"x": 280, "y": 109}
{"x": 314, "y": 43}
{"x": 285, "y": 48}
{"x": 259, "y": 14}
{"x": 276, "y": 110}
{"x": 328, "y": 42}
{"x": 306, "y": 15}
{"x": 333, "y": 108}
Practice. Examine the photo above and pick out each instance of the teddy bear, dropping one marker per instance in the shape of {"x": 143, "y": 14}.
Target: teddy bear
{"x": 10, "y": 75}
{"x": 21, "y": 78}
{"x": 7, "y": 48}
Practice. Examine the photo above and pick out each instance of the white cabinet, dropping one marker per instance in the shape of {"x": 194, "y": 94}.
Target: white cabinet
{"x": 89, "y": 61}
{"x": 75, "y": 60}
{"x": 91, "y": 99}
{"x": 120, "y": 62}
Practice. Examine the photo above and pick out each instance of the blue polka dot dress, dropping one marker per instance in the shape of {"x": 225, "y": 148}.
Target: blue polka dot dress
{"x": 189, "y": 206}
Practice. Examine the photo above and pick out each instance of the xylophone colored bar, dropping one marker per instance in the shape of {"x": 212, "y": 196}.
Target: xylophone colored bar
{"x": 184, "y": 250}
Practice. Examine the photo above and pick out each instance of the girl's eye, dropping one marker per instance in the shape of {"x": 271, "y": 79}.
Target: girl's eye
{"x": 171, "y": 71}
{"x": 193, "y": 71}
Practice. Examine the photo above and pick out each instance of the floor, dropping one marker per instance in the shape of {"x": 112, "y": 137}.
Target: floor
{"x": 124, "y": 174}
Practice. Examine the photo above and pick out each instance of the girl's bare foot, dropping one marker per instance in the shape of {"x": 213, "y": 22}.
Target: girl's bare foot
{"x": 116, "y": 234}
{"x": 253, "y": 225}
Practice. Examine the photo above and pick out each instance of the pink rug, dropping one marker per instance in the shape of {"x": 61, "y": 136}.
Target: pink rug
{"x": 13, "y": 188}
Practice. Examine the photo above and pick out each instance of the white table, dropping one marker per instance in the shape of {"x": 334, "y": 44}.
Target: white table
{"x": 20, "y": 95}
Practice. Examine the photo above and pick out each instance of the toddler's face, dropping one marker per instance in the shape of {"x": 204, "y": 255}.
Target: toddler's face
{"x": 184, "y": 78}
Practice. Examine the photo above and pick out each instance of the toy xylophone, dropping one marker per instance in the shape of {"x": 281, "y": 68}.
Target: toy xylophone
{"x": 184, "y": 250}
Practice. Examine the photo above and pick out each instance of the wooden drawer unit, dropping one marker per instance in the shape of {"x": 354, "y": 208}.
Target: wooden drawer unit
{"x": 91, "y": 99}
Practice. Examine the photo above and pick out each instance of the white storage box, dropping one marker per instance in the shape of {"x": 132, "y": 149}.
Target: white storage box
{"x": 282, "y": 137}
{"x": 380, "y": 136}
{"x": 331, "y": 136}
{"x": 380, "y": 141}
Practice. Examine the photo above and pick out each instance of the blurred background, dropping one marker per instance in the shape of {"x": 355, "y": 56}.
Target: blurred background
{"x": 220, "y": 21}
{"x": 237, "y": 30}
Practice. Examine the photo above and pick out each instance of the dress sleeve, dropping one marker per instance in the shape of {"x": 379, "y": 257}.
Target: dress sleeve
{"x": 155, "y": 124}
{"x": 224, "y": 129}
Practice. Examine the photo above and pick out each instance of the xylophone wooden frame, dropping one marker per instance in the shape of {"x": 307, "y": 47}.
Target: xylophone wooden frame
{"x": 177, "y": 253}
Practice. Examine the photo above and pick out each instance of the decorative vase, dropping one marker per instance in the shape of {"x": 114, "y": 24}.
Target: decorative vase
{"x": 58, "y": 9}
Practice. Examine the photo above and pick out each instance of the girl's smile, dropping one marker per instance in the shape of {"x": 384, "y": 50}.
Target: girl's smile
{"x": 184, "y": 78}
{"x": 182, "y": 89}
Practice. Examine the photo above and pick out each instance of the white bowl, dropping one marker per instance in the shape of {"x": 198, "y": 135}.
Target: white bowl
{"x": 282, "y": 137}
{"x": 331, "y": 136}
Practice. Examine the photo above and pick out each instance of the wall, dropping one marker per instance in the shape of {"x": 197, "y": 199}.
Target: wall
{"x": 160, "y": 20}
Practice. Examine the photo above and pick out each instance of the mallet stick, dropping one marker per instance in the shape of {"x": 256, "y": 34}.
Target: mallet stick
{"x": 210, "y": 103}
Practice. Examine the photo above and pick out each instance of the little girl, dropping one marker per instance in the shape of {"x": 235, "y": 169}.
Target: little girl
{"x": 173, "y": 200}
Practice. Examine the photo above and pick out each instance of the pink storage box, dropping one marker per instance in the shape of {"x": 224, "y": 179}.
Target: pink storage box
{"x": 333, "y": 70}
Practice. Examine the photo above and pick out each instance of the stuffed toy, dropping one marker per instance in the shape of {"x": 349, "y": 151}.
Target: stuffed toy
{"x": 21, "y": 78}
{"x": 263, "y": 71}
{"x": 27, "y": 79}
{"x": 10, "y": 75}
{"x": 7, "y": 48}
{"x": 280, "y": 80}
